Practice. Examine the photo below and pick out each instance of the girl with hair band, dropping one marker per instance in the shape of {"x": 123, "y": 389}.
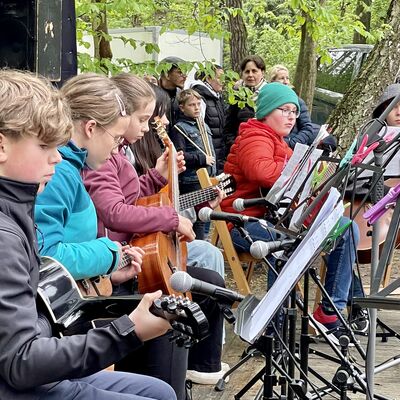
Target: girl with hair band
{"x": 115, "y": 188}
{"x": 64, "y": 212}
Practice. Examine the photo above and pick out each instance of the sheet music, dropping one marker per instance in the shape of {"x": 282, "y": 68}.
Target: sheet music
{"x": 393, "y": 168}
{"x": 261, "y": 316}
{"x": 302, "y": 174}
{"x": 294, "y": 173}
{"x": 322, "y": 134}
{"x": 279, "y": 187}
{"x": 300, "y": 209}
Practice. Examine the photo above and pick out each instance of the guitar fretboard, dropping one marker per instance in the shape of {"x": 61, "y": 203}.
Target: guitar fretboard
{"x": 125, "y": 261}
{"x": 191, "y": 199}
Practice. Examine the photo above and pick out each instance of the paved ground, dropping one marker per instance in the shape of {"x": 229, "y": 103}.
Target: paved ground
{"x": 387, "y": 383}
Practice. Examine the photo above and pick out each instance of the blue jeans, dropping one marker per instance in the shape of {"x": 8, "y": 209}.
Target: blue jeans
{"x": 339, "y": 262}
{"x": 107, "y": 385}
{"x": 203, "y": 254}
{"x": 256, "y": 232}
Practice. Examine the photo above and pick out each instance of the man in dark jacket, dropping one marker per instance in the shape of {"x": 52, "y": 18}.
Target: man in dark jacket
{"x": 210, "y": 89}
{"x": 33, "y": 364}
{"x": 172, "y": 81}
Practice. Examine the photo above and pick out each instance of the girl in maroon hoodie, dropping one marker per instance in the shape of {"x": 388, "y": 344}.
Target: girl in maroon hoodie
{"x": 116, "y": 187}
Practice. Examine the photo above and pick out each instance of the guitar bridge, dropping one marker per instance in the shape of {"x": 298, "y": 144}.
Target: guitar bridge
{"x": 171, "y": 266}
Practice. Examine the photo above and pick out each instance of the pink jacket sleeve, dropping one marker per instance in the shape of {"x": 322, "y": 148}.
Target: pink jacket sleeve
{"x": 115, "y": 188}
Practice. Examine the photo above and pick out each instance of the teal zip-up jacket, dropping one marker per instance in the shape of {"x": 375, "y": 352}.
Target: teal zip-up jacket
{"x": 67, "y": 221}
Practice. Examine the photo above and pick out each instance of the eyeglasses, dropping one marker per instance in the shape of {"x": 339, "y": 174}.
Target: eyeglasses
{"x": 287, "y": 113}
{"x": 118, "y": 140}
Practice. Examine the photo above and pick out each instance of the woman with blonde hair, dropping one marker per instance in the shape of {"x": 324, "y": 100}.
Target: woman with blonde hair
{"x": 304, "y": 131}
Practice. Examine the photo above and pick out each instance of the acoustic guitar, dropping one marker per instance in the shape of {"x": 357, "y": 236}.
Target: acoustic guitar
{"x": 365, "y": 244}
{"x": 101, "y": 285}
{"x": 68, "y": 312}
{"x": 164, "y": 252}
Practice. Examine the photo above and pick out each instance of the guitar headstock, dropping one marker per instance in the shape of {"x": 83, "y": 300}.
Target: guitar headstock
{"x": 185, "y": 317}
{"x": 161, "y": 132}
{"x": 227, "y": 183}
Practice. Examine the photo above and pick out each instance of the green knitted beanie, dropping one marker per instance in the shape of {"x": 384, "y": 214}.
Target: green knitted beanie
{"x": 272, "y": 96}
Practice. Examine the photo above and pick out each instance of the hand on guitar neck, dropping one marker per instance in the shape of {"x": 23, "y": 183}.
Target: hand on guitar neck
{"x": 147, "y": 325}
{"x": 131, "y": 259}
{"x": 162, "y": 163}
{"x": 217, "y": 201}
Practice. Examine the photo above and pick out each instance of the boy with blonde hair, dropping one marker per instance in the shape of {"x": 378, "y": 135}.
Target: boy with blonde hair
{"x": 192, "y": 135}
{"x": 34, "y": 120}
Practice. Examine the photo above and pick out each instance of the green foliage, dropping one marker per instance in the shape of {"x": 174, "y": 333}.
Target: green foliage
{"x": 274, "y": 29}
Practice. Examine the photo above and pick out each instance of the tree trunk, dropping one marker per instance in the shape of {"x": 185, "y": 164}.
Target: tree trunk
{"x": 381, "y": 69}
{"x": 102, "y": 47}
{"x": 238, "y": 39}
{"x": 306, "y": 69}
{"x": 365, "y": 18}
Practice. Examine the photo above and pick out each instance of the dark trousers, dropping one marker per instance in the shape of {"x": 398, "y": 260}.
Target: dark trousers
{"x": 158, "y": 357}
{"x": 165, "y": 360}
{"x": 198, "y": 226}
{"x": 205, "y": 356}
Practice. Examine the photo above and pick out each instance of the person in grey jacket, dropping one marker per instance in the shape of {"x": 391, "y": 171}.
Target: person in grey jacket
{"x": 34, "y": 365}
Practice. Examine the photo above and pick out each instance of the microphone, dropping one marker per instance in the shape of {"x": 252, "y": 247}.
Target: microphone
{"x": 206, "y": 214}
{"x": 181, "y": 281}
{"x": 260, "y": 249}
{"x": 241, "y": 204}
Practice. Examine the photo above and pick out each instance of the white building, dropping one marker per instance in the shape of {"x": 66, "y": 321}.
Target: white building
{"x": 197, "y": 47}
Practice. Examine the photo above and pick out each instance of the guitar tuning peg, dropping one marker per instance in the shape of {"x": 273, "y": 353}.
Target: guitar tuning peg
{"x": 171, "y": 308}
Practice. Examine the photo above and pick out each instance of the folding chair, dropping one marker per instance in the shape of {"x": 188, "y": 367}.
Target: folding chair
{"x": 221, "y": 234}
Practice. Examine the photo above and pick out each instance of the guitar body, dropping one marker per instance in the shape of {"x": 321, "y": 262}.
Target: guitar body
{"x": 63, "y": 310}
{"x": 98, "y": 286}
{"x": 365, "y": 244}
{"x": 161, "y": 257}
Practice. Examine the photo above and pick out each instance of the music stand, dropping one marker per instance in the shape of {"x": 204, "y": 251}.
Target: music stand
{"x": 255, "y": 316}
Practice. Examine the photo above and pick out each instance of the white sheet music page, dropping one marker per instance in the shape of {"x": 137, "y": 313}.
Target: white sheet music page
{"x": 294, "y": 174}
{"x": 287, "y": 175}
{"x": 331, "y": 211}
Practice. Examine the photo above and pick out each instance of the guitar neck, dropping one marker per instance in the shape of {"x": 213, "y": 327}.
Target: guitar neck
{"x": 125, "y": 261}
{"x": 192, "y": 199}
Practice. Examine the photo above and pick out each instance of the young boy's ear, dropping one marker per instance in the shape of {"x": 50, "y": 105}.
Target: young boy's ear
{"x": 181, "y": 107}
{"x": 3, "y": 144}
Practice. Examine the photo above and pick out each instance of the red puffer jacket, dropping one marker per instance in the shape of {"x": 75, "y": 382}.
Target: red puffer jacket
{"x": 256, "y": 161}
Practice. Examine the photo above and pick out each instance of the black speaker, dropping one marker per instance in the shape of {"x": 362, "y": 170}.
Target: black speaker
{"x": 39, "y": 35}
{"x": 17, "y": 34}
